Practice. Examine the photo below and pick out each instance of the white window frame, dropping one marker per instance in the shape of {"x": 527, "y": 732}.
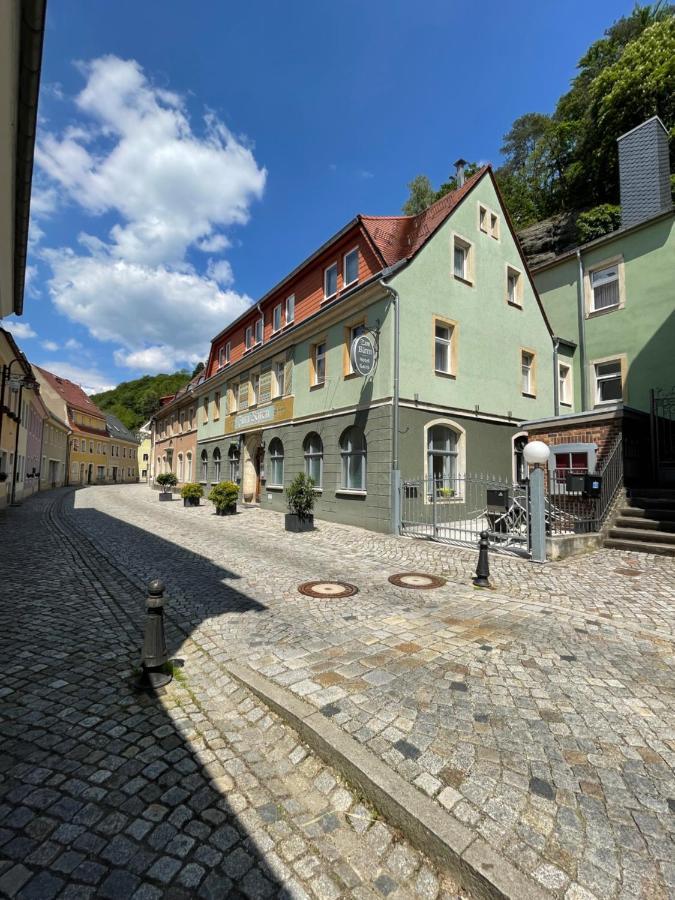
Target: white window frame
{"x": 483, "y": 212}
{"x": 615, "y": 280}
{"x": 289, "y": 309}
{"x": 494, "y": 225}
{"x": 460, "y": 463}
{"x": 279, "y": 388}
{"x": 248, "y": 337}
{"x": 531, "y": 389}
{"x": 565, "y": 384}
{"x": 460, "y": 242}
{"x": 619, "y": 360}
{"x": 260, "y": 330}
{"x": 326, "y": 295}
{"x": 273, "y": 460}
{"x": 310, "y": 455}
{"x": 276, "y": 318}
{"x": 316, "y": 358}
{"x": 346, "y": 282}
{"x": 446, "y": 343}
{"x": 516, "y": 274}
{"x": 345, "y": 456}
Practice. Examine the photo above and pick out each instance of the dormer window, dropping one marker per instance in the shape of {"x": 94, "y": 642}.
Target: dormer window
{"x": 276, "y": 318}
{"x": 330, "y": 281}
{"x": 351, "y": 267}
{"x": 249, "y": 337}
{"x": 259, "y": 329}
{"x": 290, "y": 309}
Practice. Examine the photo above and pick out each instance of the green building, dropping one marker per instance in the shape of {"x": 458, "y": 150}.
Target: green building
{"x": 450, "y": 289}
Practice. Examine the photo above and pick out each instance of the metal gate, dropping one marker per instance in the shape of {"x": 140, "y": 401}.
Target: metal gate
{"x": 663, "y": 435}
{"x": 456, "y": 510}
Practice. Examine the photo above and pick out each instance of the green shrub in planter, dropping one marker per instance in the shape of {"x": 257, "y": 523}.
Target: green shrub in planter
{"x": 224, "y": 497}
{"x": 300, "y": 498}
{"x": 166, "y": 480}
{"x": 191, "y": 494}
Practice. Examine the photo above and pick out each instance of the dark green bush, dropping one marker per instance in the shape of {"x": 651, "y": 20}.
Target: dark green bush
{"x": 300, "y": 495}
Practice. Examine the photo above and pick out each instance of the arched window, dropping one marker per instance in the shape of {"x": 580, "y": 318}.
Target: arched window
{"x": 159, "y": 465}
{"x": 216, "y": 465}
{"x": 180, "y": 467}
{"x": 313, "y": 448}
{"x": 353, "y": 452}
{"x": 205, "y": 465}
{"x": 442, "y": 457}
{"x": 276, "y": 463}
{"x": 233, "y": 456}
{"x": 189, "y": 467}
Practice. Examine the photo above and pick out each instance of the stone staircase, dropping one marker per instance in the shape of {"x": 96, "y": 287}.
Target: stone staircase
{"x": 645, "y": 522}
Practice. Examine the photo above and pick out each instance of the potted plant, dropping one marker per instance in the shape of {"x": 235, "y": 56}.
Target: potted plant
{"x": 446, "y": 493}
{"x": 224, "y": 497}
{"x": 300, "y": 499}
{"x": 166, "y": 480}
{"x": 191, "y": 494}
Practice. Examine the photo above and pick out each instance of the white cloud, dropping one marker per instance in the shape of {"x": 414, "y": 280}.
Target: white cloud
{"x": 134, "y": 155}
{"x": 52, "y": 346}
{"x": 90, "y": 380}
{"x": 140, "y": 307}
{"x": 20, "y": 330}
{"x": 72, "y": 344}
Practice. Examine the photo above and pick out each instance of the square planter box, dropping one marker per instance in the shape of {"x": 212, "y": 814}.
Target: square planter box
{"x": 165, "y": 495}
{"x": 190, "y": 501}
{"x": 226, "y": 511}
{"x": 299, "y": 523}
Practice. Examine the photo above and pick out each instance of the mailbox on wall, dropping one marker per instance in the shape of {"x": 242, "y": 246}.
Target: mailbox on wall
{"x": 575, "y": 484}
{"x": 592, "y": 485}
{"x": 497, "y": 500}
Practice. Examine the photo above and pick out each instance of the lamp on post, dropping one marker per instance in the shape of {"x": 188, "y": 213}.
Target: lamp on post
{"x": 536, "y": 454}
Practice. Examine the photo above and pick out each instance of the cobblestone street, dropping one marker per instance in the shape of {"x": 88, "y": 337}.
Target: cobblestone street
{"x": 200, "y": 793}
{"x": 540, "y": 715}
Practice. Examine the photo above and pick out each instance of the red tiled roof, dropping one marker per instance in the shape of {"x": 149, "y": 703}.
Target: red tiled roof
{"x": 72, "y": 393}
{"x": 400, "y": 237}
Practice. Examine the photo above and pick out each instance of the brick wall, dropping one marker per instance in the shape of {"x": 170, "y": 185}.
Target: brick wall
{"x": 602, "y": 434}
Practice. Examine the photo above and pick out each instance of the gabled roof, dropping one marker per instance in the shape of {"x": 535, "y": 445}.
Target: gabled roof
{"x": 119, "y": 430}
{"x": 72, "y": 393}
{"x": 401, "y": 237}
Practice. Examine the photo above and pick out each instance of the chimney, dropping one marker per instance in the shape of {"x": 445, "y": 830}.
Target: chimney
{"x": 459, "y": 175}
{"x": 644, "y": 172}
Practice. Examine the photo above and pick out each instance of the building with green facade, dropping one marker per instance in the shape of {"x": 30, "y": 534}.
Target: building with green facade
{"x": 462, "y": 353}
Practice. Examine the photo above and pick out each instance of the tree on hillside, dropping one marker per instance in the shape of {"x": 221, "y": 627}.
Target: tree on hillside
{"x": 133, "y": 402}
{"x": 422, "y": 193}
{"x": 197, "y": 369}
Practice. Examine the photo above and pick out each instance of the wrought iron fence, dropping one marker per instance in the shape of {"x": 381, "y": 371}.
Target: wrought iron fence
{"x": 575, "y": 506}
{"x": 455, "y": 510}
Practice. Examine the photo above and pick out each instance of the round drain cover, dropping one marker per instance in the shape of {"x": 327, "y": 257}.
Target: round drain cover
{"x": 417, "y": 580}
{"x": 328, "y": 589}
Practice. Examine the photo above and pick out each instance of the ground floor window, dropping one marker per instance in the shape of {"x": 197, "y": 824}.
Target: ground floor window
{"x": 101, "y": 473}
{"x": 205, "y": 465}
{"x": 181, "y": 470}
{"x": 353, "y": 451}
{"x": 233, "y": 458}
{"x": 442, "y": 454}
{"x": 313, "y": 451}
{"x": 189, "y": 467}
{"x": 216, "y": 465}
{"x": 276, "y": 453}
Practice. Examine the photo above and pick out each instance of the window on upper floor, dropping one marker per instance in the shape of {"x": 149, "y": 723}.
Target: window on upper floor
{"x": 350, "y": 273}
{"x": 482, "y": 218}
{"x": 278, "y": 377}
{"x": 255, "y": 388}
{"x": 351, "y": 333}
{"x": 527, "y": 368}
{"x": 216, "y": 405}
{"x": 608, "y": 381}
{"x": 494, "y": 226}
{"x": 221, "y": 357}
{"x": 444, "y": 349}
{"x": 290, "y": 309}
{"x": 276, "y": 318}
{"x": 462, "y": 259}
{"x": 605, "y": 288}
{"x": 565, "y": 384}
{"x": 249, "y": 337}
{"x": 514, "y": 287}
{"x": 205, "y": 409}
{"x": 318, "y": 364}
{"x": 330, "y": 281}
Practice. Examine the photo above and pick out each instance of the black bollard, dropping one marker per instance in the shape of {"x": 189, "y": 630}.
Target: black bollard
{"x": 154, "y": 670}
{"x": 483, "y": 567}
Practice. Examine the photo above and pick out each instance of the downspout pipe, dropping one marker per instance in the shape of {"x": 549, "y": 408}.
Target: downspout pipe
{"x": 556, "y": 377}
{"x": 581, "y": 314}
{"x": 395, "y": 506}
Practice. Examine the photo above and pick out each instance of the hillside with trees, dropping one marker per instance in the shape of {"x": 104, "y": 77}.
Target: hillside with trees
{"x": 563, "y": 167}
{"x": 133, "y": 402}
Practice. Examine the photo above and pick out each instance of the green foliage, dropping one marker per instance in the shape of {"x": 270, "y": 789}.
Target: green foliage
{"x": 598, "y": 221}
{"x": 224, "y": 494}
{"x": 422, "y": 193}
{"x": 167, "y": 479}
{"x": 192, "y": 492}
{"x": 133, "y": 402}
{"x": 197, "y": 369}
{"x": 300, "y": 495}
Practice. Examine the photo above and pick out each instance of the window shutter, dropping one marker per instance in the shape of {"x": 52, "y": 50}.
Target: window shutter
{"x": 243, "y": 394}
{"x": 288, "y": 373}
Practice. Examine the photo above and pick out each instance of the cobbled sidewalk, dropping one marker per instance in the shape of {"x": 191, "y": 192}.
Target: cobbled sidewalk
{"x": 541, "y": 714}
{"x": 201, "y": 792}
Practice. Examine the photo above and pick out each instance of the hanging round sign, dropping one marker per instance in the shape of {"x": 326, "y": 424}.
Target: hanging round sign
{"x": 363, "y": 354}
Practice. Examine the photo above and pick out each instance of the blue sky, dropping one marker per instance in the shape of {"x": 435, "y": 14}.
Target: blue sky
{"x": 190, "y": 155}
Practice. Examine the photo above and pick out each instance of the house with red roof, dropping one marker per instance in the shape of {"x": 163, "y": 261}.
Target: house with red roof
{"x": 405, "y": 348}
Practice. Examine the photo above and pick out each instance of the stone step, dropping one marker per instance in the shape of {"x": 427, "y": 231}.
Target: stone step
{"x": 642, "y": 534}
{"x": 666, "y": 493}
{"x": 640, "y": 547}
{"x": 656, "y": 515}
{"x": 651, "y": 502}
{"x": 644, "y": 523}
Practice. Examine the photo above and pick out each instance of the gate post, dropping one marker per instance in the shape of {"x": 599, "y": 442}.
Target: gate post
{"x": 537, "y": 515}
{"x": 434, "y": 511}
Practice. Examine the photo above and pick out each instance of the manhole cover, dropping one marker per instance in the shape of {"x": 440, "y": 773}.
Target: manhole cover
{"x": 328, "y": 589}
{"x": 417, "y": 580}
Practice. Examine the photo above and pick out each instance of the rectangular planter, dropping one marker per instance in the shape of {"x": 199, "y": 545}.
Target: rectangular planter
{"x": 165, "y": 495}
{"x": 226, "y": 511}
{"x": 299, "y": 523}
{"x": 190, "y": 501}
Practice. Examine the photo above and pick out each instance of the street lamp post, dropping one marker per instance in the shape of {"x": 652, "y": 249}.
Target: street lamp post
{"x": 536, "y": 454}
